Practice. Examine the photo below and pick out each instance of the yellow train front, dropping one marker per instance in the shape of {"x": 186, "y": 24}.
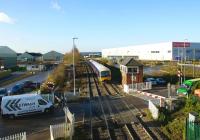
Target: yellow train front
{"x": 103, "y": 73}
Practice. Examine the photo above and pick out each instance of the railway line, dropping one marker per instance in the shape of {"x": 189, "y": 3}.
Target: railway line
{"x": 99, "y": 126}
{"x": 134, "y": 124}
{"x": 110, "y": 115}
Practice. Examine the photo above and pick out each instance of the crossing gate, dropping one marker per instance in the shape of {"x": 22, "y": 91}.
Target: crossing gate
{"x": 19, "y": 136}
{"x": 65, "y": 129}
{"x": 137, "y": 86}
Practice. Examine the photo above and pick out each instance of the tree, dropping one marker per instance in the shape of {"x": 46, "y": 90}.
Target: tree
{"x": 68, "y": 57}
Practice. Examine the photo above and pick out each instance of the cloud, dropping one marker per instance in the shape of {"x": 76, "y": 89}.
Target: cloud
{"x": 4, "y": 18}
{"x": 55, "y": 5}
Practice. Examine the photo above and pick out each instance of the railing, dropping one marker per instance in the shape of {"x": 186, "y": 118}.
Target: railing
{"x": 192, "y": 130}
{"x": 63, "y": 130}
{"x": 59, "y": 131}
{"x": 138, "y": 86}
{"x": 19, "y": 136}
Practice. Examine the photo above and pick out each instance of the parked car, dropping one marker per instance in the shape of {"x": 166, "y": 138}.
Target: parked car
{"x": 17, "y": 89}
{"x": 3, "y": 92}
{"x": 31, "y": 85}
{"x": 160, "y": 81}
{"x": 152, "y": 80}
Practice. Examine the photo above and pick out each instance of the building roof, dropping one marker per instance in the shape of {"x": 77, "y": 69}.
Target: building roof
{"x": 129, "y": 61}
{"x": 5, "y": 51}
{"x": 34, "y": 54}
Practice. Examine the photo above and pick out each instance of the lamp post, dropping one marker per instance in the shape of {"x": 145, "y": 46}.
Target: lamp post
{"x": 185, "y": 53}
{"x": 74, "y": 38}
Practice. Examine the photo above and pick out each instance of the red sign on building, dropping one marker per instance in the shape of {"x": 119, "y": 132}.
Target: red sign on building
{"x": 181, "y": 44}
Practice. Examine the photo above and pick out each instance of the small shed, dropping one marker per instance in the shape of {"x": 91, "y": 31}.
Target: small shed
{"x": 132, "y": 71}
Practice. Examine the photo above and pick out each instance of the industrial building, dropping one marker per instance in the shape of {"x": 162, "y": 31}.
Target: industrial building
{"x": 53, "y": 56}
{"x": 8, "y": 57}
{"x": 167, "y": 51}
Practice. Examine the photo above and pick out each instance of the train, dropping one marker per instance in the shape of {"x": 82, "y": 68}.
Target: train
{"x": 103, "y": 73}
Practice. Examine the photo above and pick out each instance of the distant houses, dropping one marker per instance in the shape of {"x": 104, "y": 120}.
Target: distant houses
{"x": 37, "y": 61}
{"x": 8, "y": 57}
{"x": 29, "y": 57}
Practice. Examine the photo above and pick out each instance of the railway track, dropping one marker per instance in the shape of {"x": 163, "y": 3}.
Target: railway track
{"x": 114, "y": 123}
{"x": 97, "y": 130}
{"x": 136, "y": 127}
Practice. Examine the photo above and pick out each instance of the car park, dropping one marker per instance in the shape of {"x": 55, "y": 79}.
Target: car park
{"x": 160, "y": 81}
{"x": 152, "y": 80}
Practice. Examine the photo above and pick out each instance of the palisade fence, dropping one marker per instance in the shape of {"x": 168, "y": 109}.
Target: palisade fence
{"x": 139, "y": 86}
{"x": 63, "y": 130}
{"x": 192, "y": 130}
{"x": 18, "y": 136}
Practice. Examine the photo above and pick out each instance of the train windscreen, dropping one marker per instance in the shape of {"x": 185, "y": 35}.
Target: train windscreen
{"x": 105, "y": 73}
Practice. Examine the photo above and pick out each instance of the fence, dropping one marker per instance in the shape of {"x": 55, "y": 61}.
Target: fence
{"x": 59, "y": 131}
{"x": 63, "y": 130}
{"x": 69, "y": 116}
{"x": 19, "y": 136}
{"x": 154, "y": 110}
{"x": 137, "y": 86}
{"x": 192, "y": 130}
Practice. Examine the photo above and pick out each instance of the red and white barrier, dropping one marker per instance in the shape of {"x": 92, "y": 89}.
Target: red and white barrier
{"x": 151, "y": 95}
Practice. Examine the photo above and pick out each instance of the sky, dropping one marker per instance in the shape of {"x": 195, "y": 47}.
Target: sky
{"x": 45, "y": 25}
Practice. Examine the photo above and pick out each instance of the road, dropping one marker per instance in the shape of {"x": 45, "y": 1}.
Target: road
{"x": 36, "y": 78}
{"x": 30, "y": 124}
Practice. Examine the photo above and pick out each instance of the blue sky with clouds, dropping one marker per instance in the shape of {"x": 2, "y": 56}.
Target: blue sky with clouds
{"x": 44, "y": 25}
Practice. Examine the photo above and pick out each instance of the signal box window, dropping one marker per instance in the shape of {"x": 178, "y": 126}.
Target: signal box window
{"x": 41, "y": 102}
{"x": 132, "y": 70}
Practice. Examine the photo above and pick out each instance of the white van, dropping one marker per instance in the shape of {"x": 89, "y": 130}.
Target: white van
{"x": 18, "y": 105}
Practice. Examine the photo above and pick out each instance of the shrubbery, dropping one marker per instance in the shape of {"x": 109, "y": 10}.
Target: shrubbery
{"x": 17, "y": 68}
{"x": 59, "y": 75}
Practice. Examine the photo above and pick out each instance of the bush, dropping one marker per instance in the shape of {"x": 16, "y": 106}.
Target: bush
{"x": 163, "y": 116}
{"x": 17, "y": 68}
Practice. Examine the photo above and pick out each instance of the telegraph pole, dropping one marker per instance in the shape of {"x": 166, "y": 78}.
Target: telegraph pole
{"x": 74, "y": 38}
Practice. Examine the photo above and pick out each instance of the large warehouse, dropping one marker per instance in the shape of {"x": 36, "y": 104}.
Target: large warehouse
{"x": 8, "y": 57}
{"x": 166, "y": 51}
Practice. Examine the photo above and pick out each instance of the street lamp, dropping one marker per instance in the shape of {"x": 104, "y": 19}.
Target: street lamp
{"x": 74, "y": 38}
{"x": 185, "y": 53}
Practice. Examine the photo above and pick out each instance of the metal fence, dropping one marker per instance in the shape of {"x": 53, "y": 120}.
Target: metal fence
{"x": 19, "y": 136}
{"x": 59, "y": 131}
{"x": 192, "y": 130}
{"x": 139, "y": 86}
{"x": 63, "y": 130}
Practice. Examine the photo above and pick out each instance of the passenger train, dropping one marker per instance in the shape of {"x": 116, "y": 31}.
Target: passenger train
{"x": 103, "y": 73}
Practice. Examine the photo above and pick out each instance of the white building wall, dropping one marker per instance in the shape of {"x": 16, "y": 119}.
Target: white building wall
{"x": 159, "y": 51}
